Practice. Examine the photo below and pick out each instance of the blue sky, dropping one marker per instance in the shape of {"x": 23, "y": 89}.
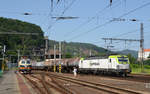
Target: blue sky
{"x": 75, "y": 30}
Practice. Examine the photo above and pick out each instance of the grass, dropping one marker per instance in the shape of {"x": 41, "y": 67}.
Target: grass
{"x": 137, "y": 69}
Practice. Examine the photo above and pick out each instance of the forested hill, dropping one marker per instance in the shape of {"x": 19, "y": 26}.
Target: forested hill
{"x": 30, "y": 44}
{"x": 14, "y": 42}
{"x": 79, "y": 49}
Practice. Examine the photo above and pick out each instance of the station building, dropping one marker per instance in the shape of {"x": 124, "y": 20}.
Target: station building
{"x": 50, "y": 54}
{"x": 146, "y": 54}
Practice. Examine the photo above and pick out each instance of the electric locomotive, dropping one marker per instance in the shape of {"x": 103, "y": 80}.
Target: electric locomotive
{"x": 24, "y": 65}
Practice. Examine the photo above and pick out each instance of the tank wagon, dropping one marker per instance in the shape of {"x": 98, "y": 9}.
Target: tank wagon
{"x": 66, "y": 65}
{"x": 24, "y": 65}
{"x": 37, "y": 65}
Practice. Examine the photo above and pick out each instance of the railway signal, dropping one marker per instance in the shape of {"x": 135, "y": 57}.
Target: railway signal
{"x": 59, "y": 68}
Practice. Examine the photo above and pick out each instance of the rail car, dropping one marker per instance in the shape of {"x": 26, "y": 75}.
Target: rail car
{"x": 116, "y": 64}
{"x": 24, "y": 65}
{"x": 66, "y": 65}
{"x": 38, "y": 65}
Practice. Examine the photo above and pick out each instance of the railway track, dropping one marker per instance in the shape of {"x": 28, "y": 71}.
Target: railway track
{"x": 47, "y": 84}
{"x": 96, "y": 77}
{"x": 37, "y": 84}
{"x": 97, "y": 86}
{"x": 131, "y": 77}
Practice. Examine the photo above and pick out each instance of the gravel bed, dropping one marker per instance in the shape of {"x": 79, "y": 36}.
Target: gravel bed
{"x": 137, "y": 86}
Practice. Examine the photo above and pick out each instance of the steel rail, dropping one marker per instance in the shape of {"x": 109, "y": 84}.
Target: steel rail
{"x": 34, "y": 84}
{"x": 97, "y": 86}
{"x": 58, "y": 87}
{"x": 62, "y": 87}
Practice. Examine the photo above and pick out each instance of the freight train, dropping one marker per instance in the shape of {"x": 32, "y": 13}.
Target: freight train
{"x": 116, "y": 64}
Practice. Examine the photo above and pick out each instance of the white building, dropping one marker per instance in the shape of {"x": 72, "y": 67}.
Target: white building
{"x": 146, "y": 54}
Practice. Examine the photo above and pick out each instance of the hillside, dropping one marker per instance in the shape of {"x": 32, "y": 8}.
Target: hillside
{"x": 33, "y": 45}
{"x": 79, "y": 49}
{"x": 127, "y": 51}
{"x": 24, "y": 43}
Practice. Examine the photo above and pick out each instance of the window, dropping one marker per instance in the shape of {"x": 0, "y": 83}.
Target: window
{"x": 28, "y": 62}
{"x": 123, "y": 60}
{"x": 23, "y": 62}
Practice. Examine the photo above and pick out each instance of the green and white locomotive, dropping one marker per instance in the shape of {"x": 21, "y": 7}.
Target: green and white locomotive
{"x": 118, "y": 64}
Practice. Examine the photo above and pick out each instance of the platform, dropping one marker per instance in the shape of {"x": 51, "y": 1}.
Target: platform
{"x": 12, "y": 83}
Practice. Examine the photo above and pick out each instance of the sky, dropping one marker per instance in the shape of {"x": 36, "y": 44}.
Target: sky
{"x": 94, "y": 20}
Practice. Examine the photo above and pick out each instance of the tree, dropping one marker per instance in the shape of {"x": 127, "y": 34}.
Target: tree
{"x": 131, "y": 59}
{"x": 149, "y": 56}
{"x": 24, "y": 43}
{"x": 68, "y": 55}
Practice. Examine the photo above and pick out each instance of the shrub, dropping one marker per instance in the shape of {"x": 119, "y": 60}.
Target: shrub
{"x": 135, "y": 66}
{"x": 147, "y": 66}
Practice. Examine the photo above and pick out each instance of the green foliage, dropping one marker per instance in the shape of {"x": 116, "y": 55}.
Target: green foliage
{"x": 147, "y": 62}
{"x": 149, "y": 56}
{"x": 136, "y": 68}
{"x": 68, "y": 55}
{"x": 127, "y": 51}
{"x": 24, "y": 43}
{"x": 76, "y": 49}
{"x": 131, "y": 59}
{"x": 147, "y": 66}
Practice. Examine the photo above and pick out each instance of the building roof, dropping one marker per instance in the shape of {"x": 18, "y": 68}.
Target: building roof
{"x": 146, "y": 50}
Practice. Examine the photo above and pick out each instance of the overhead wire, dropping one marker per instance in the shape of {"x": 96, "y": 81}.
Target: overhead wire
{"x": 51, "y": 15}
{"x": 89, "y": 20}
{"x": 73, "y": 1}
{"x": 108, "y": 22}
{"x": 133, "y": 31}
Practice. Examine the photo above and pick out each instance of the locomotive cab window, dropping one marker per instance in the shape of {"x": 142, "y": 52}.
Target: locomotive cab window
{"x": 123, "y": 60}
{"x": 23, "y": 62}
{"x": 28, "y": 62}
